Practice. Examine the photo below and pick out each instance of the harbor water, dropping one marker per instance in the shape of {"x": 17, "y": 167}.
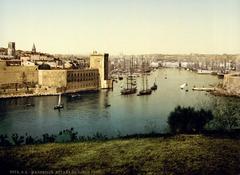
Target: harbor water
{"x": 108, "y": 112}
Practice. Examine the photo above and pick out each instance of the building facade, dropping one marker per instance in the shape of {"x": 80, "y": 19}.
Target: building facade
{"x": 69, "y": 80}
{"x": 82, "y": 80}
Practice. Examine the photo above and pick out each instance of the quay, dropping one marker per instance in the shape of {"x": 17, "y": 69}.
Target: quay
{"x": 5, "y": 96}
{"x": 203, "y": 89}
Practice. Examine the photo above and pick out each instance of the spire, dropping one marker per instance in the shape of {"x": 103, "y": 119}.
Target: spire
{"x": 33, "y": 48}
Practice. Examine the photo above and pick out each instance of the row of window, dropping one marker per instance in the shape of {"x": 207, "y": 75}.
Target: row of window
{"x": 82, "y": 74}
{"x": 82, "y": 85}
{"x": 78, "y": 79}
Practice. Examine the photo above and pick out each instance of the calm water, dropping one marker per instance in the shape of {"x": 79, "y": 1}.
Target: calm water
{"x": 126, "y": 115}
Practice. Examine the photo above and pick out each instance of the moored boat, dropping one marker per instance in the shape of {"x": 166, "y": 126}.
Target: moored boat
{"x": 131, "y": 83}
{"x": 154, "y": 87}
{"x": 145, "y": 90}
{"x": 183, "y": 85}
{"x": 59, "y": 105}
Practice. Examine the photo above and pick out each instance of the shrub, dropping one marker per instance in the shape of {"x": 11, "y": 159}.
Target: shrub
{"x": 188, "y": 120}
{"x": 4, "y": 140}
{"x": 17, "y": 140}
{"x": 226, "y": 115}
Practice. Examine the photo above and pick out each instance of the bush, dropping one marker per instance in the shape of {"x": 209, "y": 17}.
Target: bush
{"x": 17, "y": 140}
{"x": 4, "y": 140}
{"x": 188, "y": 120}
{"x": 226, "y": 115}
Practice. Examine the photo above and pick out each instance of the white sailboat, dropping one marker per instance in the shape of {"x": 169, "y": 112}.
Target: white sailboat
{"x": 183, "y": 85}
{"x": 59, "y": 105}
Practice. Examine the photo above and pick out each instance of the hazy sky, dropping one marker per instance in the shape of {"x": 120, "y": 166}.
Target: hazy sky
{"x": 122, "y": 26}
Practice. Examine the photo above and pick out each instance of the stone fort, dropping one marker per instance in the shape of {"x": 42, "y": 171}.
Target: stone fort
{"x": 17, "y": 79}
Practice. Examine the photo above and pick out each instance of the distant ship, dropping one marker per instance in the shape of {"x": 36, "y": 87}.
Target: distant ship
{"x": 145, "y": 90}
{"x": 203, "y": 71}
{"x": 183, "y": 85}
{"x": 131, "y": 82}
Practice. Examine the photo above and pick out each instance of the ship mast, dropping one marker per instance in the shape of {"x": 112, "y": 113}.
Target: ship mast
{"x": 143, "y": 78}
{"x": 131, "y": 70}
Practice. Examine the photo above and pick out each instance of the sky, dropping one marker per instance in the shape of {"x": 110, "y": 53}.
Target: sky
{"x": 122, "y": 26}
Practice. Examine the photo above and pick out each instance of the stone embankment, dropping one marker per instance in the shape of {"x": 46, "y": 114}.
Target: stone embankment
{"x": 26, "y": 95}
{"x": 223, "y": 92}
{"x": 230, "y": 86}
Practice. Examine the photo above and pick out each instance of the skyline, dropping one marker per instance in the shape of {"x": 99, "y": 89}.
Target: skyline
{"x": 129, "y": 27}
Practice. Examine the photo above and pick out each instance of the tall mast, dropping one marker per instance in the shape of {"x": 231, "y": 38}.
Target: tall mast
{"x": 131, "y": 71}
{"x": 145, "y": 74}
{"x": 143, "y": 81}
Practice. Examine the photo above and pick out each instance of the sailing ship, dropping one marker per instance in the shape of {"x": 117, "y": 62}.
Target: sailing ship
{"x": 131, "y": 82}
{"x": 145, "y": 90}
{"x": 59, "y": 105}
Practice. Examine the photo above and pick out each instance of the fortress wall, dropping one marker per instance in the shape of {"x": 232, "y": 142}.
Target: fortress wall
{"x": 52, "y": 78}
{"x": 231, "y": 83}
{"x": 10, "y": 75}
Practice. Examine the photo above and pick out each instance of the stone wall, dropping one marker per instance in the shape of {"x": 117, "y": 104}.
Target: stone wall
{"x": 69, "y": 80}
{"x": 10, "y": 76}
{"x": 231, "y": 83}
{"x": 22, "y": 80}
{"x": 52, "y": 78}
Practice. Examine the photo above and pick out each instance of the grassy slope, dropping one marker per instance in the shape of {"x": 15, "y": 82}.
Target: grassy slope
{"x": 192, "y": 154}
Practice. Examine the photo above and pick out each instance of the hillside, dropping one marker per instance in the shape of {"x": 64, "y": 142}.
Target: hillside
{"x": 183, "y": 154}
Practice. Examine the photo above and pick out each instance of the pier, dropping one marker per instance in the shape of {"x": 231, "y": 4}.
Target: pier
{"x": 203, "y": 89}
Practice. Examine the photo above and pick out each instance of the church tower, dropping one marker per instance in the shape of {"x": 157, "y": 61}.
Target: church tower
{"x": 33, "y": 48}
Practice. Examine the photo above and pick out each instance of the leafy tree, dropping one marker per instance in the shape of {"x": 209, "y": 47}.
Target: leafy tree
{"x": 188, "y": 120}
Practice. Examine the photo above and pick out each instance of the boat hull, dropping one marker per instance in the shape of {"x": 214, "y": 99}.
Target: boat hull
{"x": 154, "y": 87}
{"x": 128, "y": 91}
{"x": 145, "y": 92}
{"x": 58, "y": 106}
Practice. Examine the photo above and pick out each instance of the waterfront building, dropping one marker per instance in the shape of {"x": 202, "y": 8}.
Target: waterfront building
{"x": 82, "y": 80}
{"x": 170, "y": 64}
{"x": 100, "y": 62}
{"x": 154, "y": 64}
{"x": 40, "y": 74}
{"x": 68, "y": 80}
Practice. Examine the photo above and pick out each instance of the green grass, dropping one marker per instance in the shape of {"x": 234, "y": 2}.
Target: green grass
{"x": 183, "y": 154}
